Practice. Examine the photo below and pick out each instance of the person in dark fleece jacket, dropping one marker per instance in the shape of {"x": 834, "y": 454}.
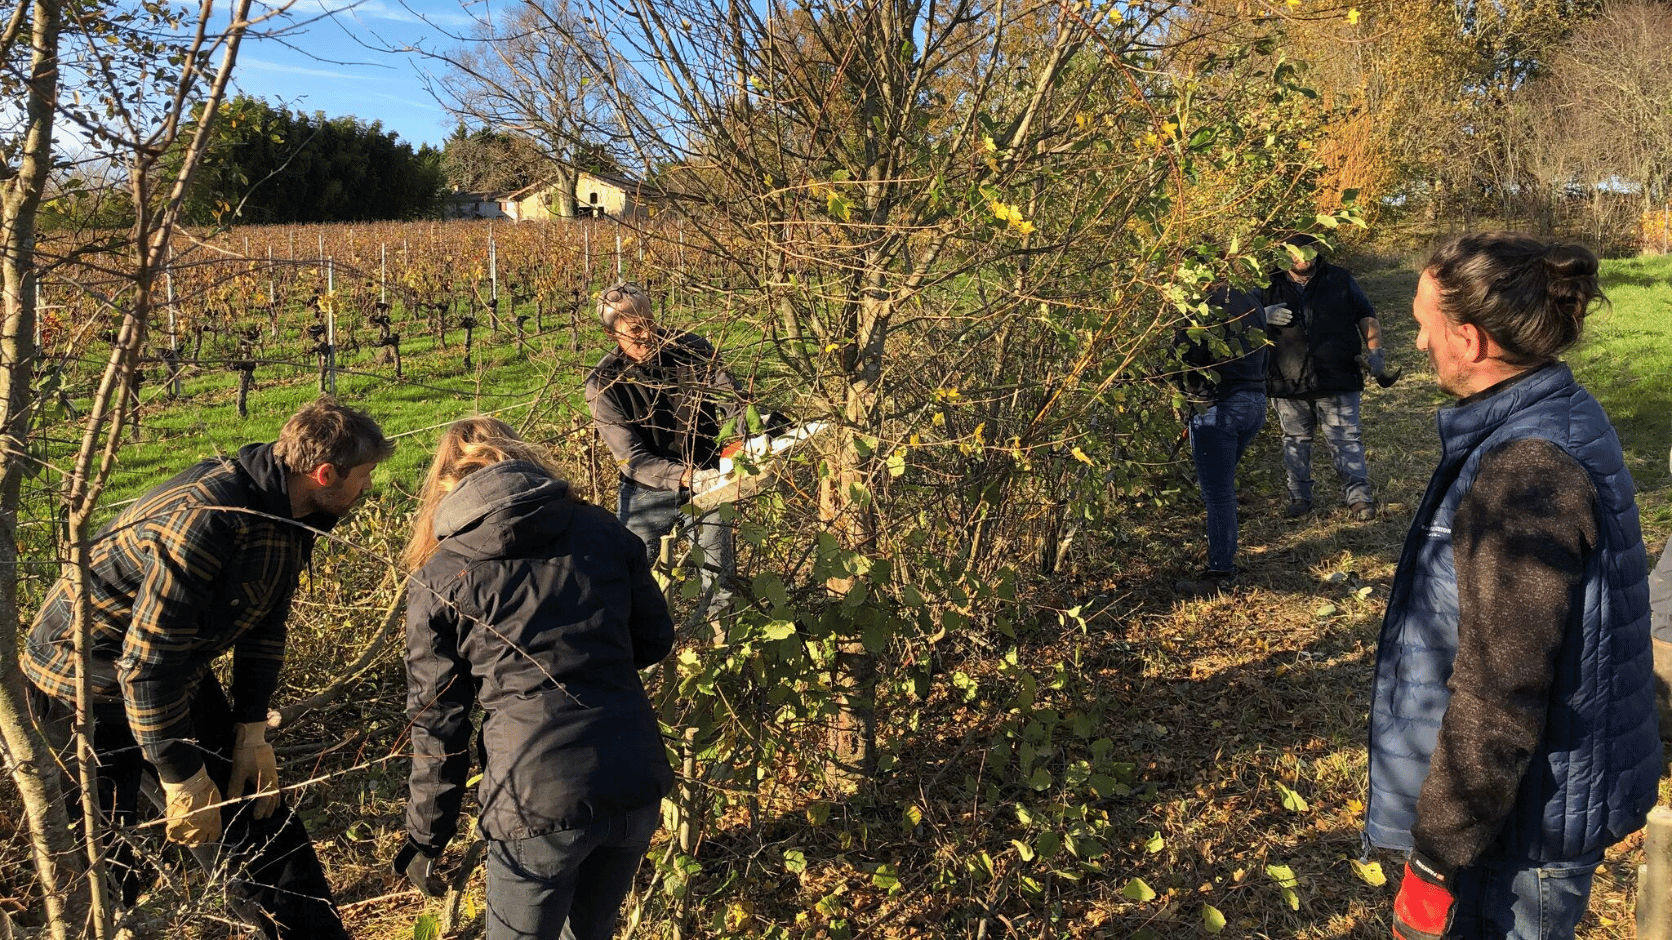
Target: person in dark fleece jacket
{"x": 540, "y": 608}
{"x": 660, "y": 400}
{"x": 1512, "y": 725}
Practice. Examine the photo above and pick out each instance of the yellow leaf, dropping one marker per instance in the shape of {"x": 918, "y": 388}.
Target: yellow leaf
{"x": 1023, "y": 227}
{"x": 1293, "y": 4}
{"x": 1080, "y": 455}
{"x": 1369, "y": 872}
{"x": 1353, "y": 16}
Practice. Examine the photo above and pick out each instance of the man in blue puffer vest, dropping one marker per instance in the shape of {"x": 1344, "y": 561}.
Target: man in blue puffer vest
{"x": 1513, "y": 731}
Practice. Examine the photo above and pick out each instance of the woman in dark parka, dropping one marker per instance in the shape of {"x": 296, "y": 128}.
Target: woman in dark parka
{"x": 541, "y": 608}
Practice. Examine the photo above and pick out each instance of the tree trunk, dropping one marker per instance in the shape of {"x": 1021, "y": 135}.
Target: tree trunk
{"x": 29, "y": 760}
{"x": 851, "y": 517}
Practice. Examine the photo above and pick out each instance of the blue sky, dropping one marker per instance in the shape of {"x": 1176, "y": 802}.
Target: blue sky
{"x": 334, "y": 59}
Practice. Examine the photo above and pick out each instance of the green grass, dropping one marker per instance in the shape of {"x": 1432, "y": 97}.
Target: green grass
{"x": 1626, "y": 361}
{"x": 435, "y": 389}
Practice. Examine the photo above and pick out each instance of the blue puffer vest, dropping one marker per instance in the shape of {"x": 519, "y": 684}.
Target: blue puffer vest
{"x": 1594, "y": 776}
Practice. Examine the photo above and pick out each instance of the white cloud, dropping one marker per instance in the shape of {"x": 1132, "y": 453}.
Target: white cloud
{"x": 417, "y": 12}
{"x": 265, "y": 65}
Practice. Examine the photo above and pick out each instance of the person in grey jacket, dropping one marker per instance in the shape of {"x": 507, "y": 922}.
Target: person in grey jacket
{"x": 541, "y": 609}
{"x": 660, "y": 400}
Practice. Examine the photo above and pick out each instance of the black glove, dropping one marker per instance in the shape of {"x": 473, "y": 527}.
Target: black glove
{"x": 418, "y": 867}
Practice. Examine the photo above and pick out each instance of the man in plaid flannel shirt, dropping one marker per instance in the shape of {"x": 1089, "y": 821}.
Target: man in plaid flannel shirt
{"x": 205, "y": 563}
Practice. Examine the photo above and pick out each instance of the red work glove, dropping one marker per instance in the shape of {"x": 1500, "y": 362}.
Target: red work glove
{"x": 1425, "y": 905}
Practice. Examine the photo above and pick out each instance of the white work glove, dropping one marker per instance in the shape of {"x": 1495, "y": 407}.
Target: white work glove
{"x": 254, "y": 768}
{"x": 1279, "y": 315}
{"x": 704, "y": 480}
{"x": 193, "y": 816}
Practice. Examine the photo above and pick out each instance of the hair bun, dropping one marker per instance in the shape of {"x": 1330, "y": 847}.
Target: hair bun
{"x": 1569, "y": 261}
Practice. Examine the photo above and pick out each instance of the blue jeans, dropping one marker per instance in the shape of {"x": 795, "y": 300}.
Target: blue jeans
{"x": 651, "y": 513}
{"x": 1218, "y": 437}
{"x": 1506, "y": 901}
{"x": 1339, "y": 414}
{"x": 568, "y": 883}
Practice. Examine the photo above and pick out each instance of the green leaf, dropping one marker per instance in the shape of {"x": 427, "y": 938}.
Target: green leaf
{"x": 770, "y": 588}
{"x": 795, "y": 861}
{"x": 427, "y": 927}
{"x": 1285, "y": 878}
{"x": 838, "y": 207}
{"x": 876, "y": 636}
{"x": 779, "y": 630}
{"x": 1292, "y": 801}
{"x": 1326, "y": 610}
{"x": 1212, "y": 920}
{"x": 1023, "y": 849}
{"x": 1155, "y": 844}
{"x": 1138, "y": 890}
{"x": 1048, "y": 844}
{"x": 885, "y": 879}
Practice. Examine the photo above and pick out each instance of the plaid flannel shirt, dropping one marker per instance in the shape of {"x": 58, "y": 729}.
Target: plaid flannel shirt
{"x": 196, "y": 567}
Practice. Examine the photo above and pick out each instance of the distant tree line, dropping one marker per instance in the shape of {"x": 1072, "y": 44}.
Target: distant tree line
{"x": 271, "y": 165}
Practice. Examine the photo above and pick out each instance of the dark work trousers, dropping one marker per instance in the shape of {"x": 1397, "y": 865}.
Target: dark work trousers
{"x": 271, "y": 861}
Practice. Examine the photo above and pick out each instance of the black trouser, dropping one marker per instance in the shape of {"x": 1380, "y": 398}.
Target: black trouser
{"x": 271, "y": 860}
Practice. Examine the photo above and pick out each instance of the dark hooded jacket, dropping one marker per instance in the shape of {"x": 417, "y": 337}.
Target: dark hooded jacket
{"x": 1317, "y": 353}
{"x": 541, "y": 609}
